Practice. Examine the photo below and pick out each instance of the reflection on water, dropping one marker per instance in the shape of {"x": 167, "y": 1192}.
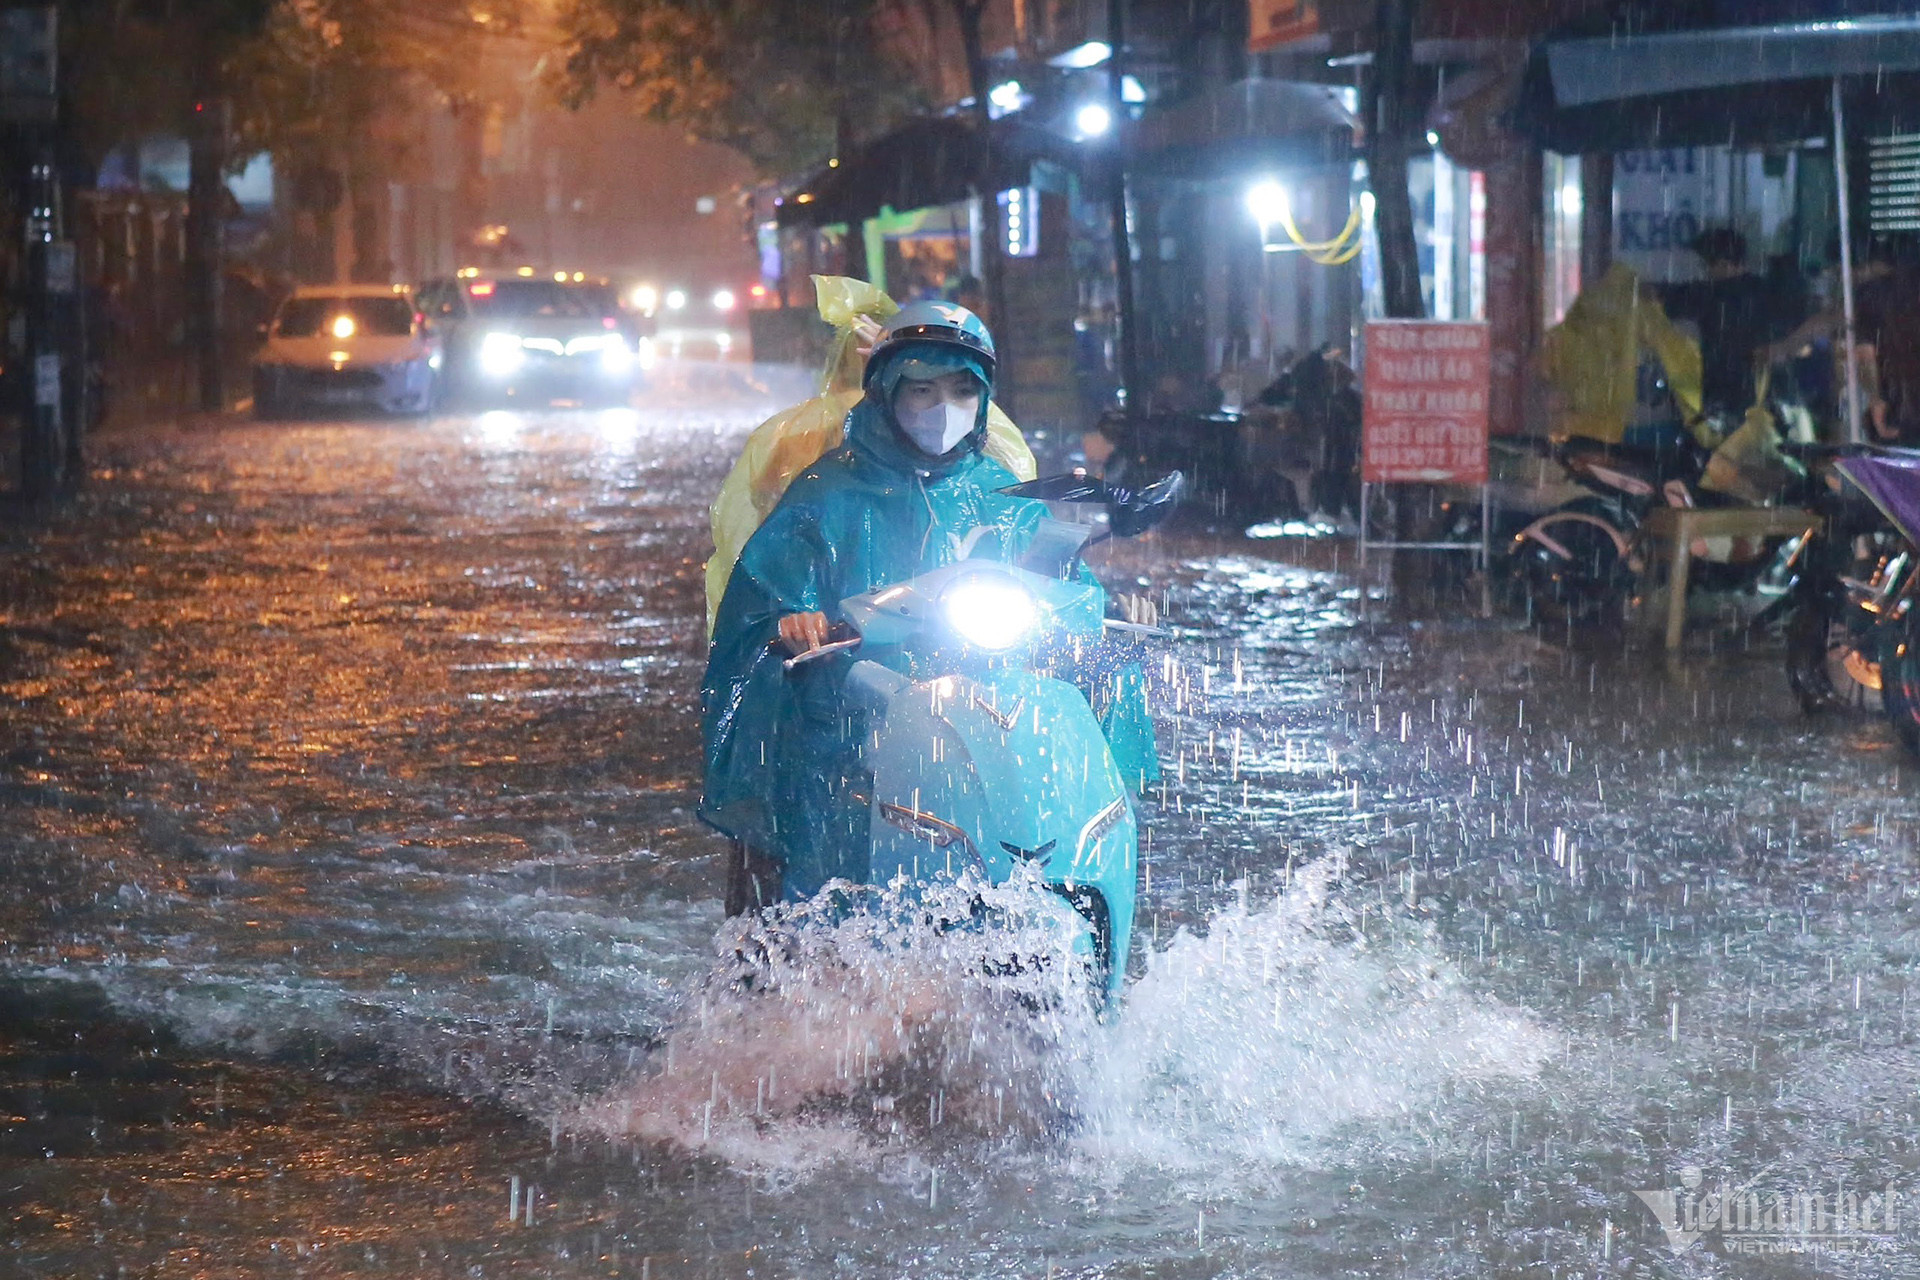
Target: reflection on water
{"x": 353, "y": 765}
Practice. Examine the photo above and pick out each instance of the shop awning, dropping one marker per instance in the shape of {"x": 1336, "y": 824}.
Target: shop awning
{"x": 928, "y": 161}
{"x": 1227, "y": 132}
{"x": 1605, "y": 69}
{"x": 1251, "y": 126}
{"x": 1742, "y": 86}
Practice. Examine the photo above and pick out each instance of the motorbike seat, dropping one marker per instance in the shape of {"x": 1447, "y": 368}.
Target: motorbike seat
{"x": 1631, "y": 469}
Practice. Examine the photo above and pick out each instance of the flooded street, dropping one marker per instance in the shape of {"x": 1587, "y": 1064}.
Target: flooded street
{"x": 357, "y": 921}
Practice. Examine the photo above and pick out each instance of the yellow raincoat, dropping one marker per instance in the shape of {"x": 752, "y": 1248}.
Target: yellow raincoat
{"x": 1591, "y": 359}
{"x": 794, "y": 439}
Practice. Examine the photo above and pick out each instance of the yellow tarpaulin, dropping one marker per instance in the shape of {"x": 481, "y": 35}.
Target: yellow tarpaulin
{"x": 794, "y": 439}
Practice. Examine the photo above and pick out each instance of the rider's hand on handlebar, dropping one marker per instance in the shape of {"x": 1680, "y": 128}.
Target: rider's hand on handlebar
{"x": 801, "y": 632}
{"x": 1140, "y": 610}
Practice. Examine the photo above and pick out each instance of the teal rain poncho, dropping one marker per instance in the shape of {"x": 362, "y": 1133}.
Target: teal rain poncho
{"x": 781, "y": 750}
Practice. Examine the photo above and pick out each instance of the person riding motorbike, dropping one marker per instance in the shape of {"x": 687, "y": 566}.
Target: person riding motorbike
{"x": 911, "y": 489}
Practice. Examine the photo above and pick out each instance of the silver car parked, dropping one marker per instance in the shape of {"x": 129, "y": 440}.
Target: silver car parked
{"x": 342, "y": 347}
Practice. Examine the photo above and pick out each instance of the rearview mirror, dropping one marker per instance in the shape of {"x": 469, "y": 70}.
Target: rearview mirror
{"x": 1129, "y": 512}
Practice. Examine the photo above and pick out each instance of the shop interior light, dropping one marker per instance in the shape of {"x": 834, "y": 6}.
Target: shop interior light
{"x": 1131, "y": 90}
{"x": 1006, "y": 98}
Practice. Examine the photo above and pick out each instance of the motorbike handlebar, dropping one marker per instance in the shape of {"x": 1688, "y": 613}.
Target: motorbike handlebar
{"x": 1135, "y": 628}
{"x": 820, "y": 651}
{"x": 1824, "y": 452}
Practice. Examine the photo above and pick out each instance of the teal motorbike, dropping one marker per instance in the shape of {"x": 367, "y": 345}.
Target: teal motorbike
{"x": 987, "y": 759}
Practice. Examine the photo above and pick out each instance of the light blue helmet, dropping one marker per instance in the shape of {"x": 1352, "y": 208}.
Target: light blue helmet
{"x": 945, "y": 323}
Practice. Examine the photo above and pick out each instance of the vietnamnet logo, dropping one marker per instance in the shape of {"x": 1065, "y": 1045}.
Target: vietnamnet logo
{"x": 1750, "y": 1219}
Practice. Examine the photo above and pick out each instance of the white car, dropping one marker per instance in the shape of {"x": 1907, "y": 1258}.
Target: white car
{"x": 347, "y": 347}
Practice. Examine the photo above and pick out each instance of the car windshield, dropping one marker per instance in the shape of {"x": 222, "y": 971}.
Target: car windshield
{"x": 380, "y": 317}
{"x": 520, "y": 299}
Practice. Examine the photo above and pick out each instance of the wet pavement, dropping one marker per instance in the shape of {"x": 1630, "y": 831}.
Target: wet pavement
{"x": 356, "y": 921}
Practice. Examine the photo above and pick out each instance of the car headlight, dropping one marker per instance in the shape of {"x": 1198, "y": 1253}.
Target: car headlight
{"x": 615, "y": 354}
{"x": 989, "y": 610}
{"x": 501, "y": 354}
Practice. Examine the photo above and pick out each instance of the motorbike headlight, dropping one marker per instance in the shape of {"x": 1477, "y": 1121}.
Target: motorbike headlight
{"x": 989, "y": 611}
{"x": 501, "y": 354}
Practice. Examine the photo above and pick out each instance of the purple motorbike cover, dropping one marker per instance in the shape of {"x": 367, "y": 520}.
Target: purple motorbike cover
{"x": 1893, "y": 482}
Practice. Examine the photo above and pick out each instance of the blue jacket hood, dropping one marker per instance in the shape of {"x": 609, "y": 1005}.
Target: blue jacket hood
{"x": 873, "y": 432}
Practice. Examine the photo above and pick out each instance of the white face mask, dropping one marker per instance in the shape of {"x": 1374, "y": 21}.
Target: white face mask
{"x": 936, "y": 430}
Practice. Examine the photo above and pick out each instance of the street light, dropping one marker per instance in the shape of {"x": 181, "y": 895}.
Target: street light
{"x": 1267, "y": 202}
{"x": 1093, "y": 120}
{"x": 1082, "y": 56}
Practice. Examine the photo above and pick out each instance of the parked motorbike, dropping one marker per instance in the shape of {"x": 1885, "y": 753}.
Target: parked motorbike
{"x": 1855, "y": 634}
{"x": 993, "y": 764}
{"x": 1848, "y": 592}
{"x": 1582, "y": 559}
{"x": 1578, "y": 558}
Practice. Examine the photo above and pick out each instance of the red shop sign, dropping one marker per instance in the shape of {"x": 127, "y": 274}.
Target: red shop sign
{"x": 1425, "y": 418}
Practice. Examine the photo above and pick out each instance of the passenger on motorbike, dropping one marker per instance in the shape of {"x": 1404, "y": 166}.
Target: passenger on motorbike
{"x": 910, "y": 490}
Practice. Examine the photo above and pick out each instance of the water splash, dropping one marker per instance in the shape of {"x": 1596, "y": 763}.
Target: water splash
{"x": 866, "y": 1018}
{"x": 1260, "y": 1041}
{"x": 837, "y": 1033}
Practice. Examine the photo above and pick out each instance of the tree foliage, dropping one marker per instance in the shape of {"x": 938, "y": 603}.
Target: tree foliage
{"x": 133, "y": 68}
{"x": 331, "y": 76}
{"x": 298, "y": 75}
{"x": 785, "y": 82}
